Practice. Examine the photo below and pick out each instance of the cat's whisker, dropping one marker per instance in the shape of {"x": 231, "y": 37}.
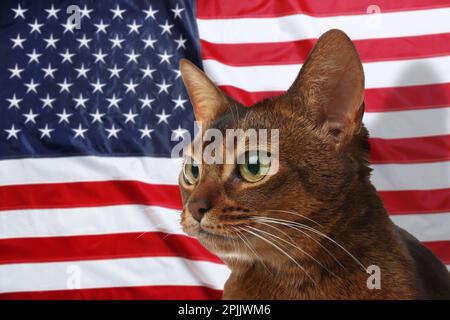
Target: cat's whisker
{"x": 303, "y": 226}
{"x": 298, "y": 214}
{"x": 141, "y": 235}
{"x": 283, "y": 252}
{"x": 308, "y": 236}
{"x": 296, "y": 247}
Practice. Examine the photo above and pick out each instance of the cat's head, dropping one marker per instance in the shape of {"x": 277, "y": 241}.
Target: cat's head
{"x": 323, "y": 152}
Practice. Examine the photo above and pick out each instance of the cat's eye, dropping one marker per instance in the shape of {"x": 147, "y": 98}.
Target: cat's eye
{"x": 191, "y": 171}
{"x": 255, "y": 167}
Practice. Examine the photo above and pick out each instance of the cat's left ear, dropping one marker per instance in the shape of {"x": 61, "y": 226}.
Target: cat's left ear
{"x": 207, "y": 100}
{"x": 331, "y": 85}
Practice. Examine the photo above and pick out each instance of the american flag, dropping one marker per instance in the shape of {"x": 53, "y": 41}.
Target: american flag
{"x": 89, "y": 203}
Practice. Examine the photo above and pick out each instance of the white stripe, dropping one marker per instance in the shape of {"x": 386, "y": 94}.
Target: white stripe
{"x": 425, "y": 227}
{"x": 422, "y": 176}
{"x": 111, "y": 273}
{"x": 377, "y": 74}
{"x": 89, "y": 168}
{"x": 300, "y": 26}
{"x": 88, "y": 221}
{"x": 407, "y": 124}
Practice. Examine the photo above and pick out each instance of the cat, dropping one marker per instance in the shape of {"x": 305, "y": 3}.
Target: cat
{"x": 312, "y": 229}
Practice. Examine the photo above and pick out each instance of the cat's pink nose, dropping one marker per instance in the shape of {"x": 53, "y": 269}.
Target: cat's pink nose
{"x": 198, "y": 208}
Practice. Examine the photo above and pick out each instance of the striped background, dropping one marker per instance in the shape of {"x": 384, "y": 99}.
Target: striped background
{"x": 113, "y": 223}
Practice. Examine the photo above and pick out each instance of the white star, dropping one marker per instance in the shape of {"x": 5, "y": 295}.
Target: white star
{"x": 30, "y": 116}
{"x": 113, "y": 132}
{"x": 146, "y": 132}
{"x": 35, "y": 26}
{"x": 166, "y": 28}
{"x": 146, "y": 102}
{"x": 117, "y": 12}
{"x": 79, "y": 132}
{"x": 99, "y": 56}
{"x": 16, "y": 72}
{"x": 46, "y": 132}
{"x": 114, "y": 72}
{"x": 177, "y": 72}
{"x": 31, "y": 86}
{"x": 132, "y": 56}
{"x": 68, "y": 26}
{"x": 116, "y": 42}
{"x": 165, "y": 57}
{"x": 48, "y": 102}
{"x": 98, "y": 86}
{"x": 52, "y": 12}
{"x": 49, "y": 71}
{"x": 134, "y": 27}
{"x": 101, "y": 27}
{"x": 149, "y": 42}
{"x": 18, "y": 41}
{"x": 14, "y": 102}
{"x": 181, "y": 42}
{"x": 179, "y": 103}
{"x": 131, "y": 86}
{"x": 51, "y": 42}
{"x": 150, "y": 13}
{"x": 85, "y": 12}
{"x": 130, "y": 116}
{"x": 178, "y": 133}
{"x": 177, "y": 12}
{"x": 67, "y": 56}
{"x": 19, "y": 12}
{"x": 65, "y": 86}
{"x": 80, "y": 101}
{"x": 64, "y": 117}
{"x": 84, "y": 42}
{"x": 163, "y": 86}
{"x": 12, "y": 133}
{"x": 114, "y": 102}
{"x": 97, "y": 116}
{"x": 34, "y": 56}
{"x": 163, "y": 117}
{"x": 148, "y": 72}
{"x": 82, "y": 72}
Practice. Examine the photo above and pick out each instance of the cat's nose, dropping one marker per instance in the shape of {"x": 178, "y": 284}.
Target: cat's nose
{"x": 198, "y": 208}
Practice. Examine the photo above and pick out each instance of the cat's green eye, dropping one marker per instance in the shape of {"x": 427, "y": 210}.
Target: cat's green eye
{"x": 255, "y": 167}
{"x": 191, "y": 171}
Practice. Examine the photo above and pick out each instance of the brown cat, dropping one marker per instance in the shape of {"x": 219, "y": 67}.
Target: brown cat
{"x": 311, "y": 230}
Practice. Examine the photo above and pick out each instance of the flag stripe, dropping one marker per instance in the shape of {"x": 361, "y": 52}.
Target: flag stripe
{"x": 171, "y": 292}
{"x": 72, "y": 221}
{"x": 225, "y": 9}
{"x": 106, "y": 246}
{"x": 112, "y": 273}
{"x": 378, "y": 74}
{"x": 299, "y": 27}
{"x": 295, "y": 52}
{"x": 416, "y": 201}
{"x": 86, "y": 194}
{"x": 410, "y": 150}
{"x": 441, "y": 249}
{"x": 433, "y": 227}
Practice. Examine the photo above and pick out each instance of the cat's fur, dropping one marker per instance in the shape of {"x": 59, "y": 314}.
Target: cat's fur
{"x": 323, "y": 176}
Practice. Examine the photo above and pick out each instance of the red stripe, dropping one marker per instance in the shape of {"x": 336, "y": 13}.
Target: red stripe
{"x": 410, "y": 150}
{"x": 416, "y": 201}
{"x": 295, "y": 52}
{"x": 88, "y": 194}
{"x": 223, "y": 9}
{"x": 107, "y": 246}
{"x": 441, "y": 249}
{"x": 123, "y": 293}
{"x": 377, "y": 99}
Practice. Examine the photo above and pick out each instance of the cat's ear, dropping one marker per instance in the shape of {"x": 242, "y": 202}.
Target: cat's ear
{"x": 331, "y": 84}
{"x": 207, "y": 100}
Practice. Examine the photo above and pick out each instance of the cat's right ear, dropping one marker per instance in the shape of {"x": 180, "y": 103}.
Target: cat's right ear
{"x": 207, "y": 100}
